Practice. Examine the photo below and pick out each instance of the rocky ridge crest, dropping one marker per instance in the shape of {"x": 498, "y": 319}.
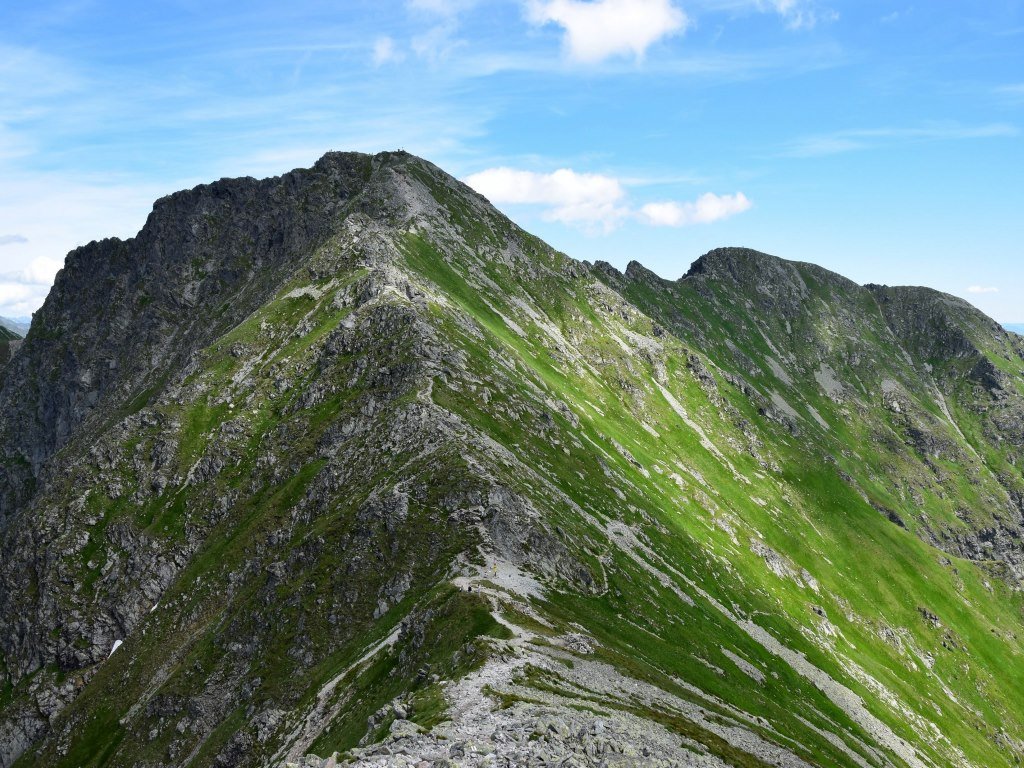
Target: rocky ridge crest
{"x": 344, "y": 461}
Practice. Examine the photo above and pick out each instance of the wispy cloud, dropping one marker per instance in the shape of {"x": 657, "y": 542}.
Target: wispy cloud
{"x": 801, "y": 14}
{"x": 12, "y": 239}
{"x": 385, "y": 51}
{"x": 25, "y": 71}
{"x": 595, "y": 31}
{"x": 441, "y": 7}
{"x": 1013, "y": 92}
{"x": 796, "y": 14}
{"x": 438, "y": 42}
{"x": 597, "y": 202}
{"x": 982, "y": 289}
{"x": 839, "y": 142}
{"x": 438, "y": 36}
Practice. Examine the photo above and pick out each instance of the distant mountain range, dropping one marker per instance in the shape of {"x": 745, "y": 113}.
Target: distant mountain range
{"x": 19, "y": 325}
{"x": 1015, "y": 327}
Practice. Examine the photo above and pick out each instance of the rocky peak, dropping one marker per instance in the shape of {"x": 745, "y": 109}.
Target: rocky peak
{"x": 748, "y": 268}
{"x": 936, "y": 325}
{"x": 733, "y": 263}
{"x": 122, "y": 311}
{"x": 637, "y": 271}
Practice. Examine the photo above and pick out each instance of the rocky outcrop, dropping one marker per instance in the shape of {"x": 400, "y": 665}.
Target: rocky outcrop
{"x": 345, "y": 462}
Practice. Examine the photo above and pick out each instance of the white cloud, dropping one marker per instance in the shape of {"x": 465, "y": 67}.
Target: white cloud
{"x": 982, "y": 289}
{"x": 12, "y": 239}
{"x": 385, "y": 52}
{"x": 19, "y": 300}
{"x": 440, "y": 39}
{"x": 590, "y": 199}
{"x": 439, "y": 35}
{"x": 54, "y": 213}
{"x": 595, "y": 31}
{"x": 39, "y": 271}
{"x": 705, "y": 209}
{"x": 23, "y": 290}
{"x": 595, "y": 201}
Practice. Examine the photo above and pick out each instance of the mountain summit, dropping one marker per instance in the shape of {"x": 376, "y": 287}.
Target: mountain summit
{"x": 346, "y": 462}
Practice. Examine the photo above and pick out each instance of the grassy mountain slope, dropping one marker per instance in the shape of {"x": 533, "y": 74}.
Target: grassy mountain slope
{"x": 428, "y": 475}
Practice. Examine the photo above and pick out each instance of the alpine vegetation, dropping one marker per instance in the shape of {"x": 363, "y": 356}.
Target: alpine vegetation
{"x": 343, "y": 467}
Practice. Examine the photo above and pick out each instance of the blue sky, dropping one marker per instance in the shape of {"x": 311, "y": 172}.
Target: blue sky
{"x": 879, "y": 139}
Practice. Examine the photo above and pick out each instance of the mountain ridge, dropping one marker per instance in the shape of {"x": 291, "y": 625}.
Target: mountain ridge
{"x": 395, "y": 396}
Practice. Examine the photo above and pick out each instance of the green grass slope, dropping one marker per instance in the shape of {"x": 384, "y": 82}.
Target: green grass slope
{"x": 761, "y": 506}
{"x": 755, "y": 490}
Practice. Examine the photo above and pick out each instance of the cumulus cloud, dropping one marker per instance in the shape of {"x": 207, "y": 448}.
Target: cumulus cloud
{"x": 18, "y": 299}
{"x": 982, "y": 289}
{"x": 595, "y": 31}
{"x": 12, "y": 239}
{"x": 596, "y": 201}
{"x": 22, "y": 290}
{"x": 705, "y": 209}
{"x": 84, "y": 210}
{"x": 39, "y": 271}
{"x": 571, "y": 198}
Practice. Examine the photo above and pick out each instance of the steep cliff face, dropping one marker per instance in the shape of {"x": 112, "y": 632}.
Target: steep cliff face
{"x": 345, "y": 461}
{"x": 122, "y": 315}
